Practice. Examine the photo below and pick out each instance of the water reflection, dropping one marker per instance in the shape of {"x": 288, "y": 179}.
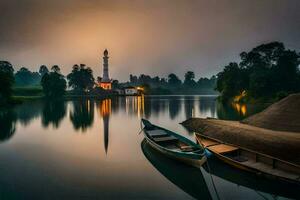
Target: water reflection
{"x": 88, "y": 172}
{"x": 240, "y": 108}
{"x": 208, "y": 105}
{"x": 7, "y": 124}
{"x": 187, "y": 178}
{"x": 174, "y": 107}
{"x": 25, "y": 115}
{"x": 53, "y": 112}
{"x": 189, "y": 108}
{"x": 105, "y": 111}
{"x": 82, "y": 114}
{"x": 261, "y": 186}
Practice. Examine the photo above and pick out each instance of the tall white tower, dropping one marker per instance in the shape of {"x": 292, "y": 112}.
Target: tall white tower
{"x": 105, "y": 81}
{"x": 105, "y": 67}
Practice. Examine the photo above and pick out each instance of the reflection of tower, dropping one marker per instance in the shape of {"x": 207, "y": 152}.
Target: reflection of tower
{"x": 105, "y": 113}
{"x": 105, "y": 81}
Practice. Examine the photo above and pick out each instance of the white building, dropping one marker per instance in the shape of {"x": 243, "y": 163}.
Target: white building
{"x": 130, "y": 91}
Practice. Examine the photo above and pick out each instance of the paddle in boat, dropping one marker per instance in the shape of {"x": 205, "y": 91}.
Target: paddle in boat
{"x": 173, "y": 145}
{"x": 251, "y": 161}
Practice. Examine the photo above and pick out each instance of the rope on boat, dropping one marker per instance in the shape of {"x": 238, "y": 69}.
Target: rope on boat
{"x": 141, "y": 128}
{"x": 212, "y": 180}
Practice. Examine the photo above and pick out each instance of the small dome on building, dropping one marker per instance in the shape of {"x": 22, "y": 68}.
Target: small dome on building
{"x": 105, "y": 52}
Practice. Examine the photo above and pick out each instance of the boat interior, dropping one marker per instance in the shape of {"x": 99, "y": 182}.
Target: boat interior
{"x": 254, "y": 160}
{"x": 166, "y": 140}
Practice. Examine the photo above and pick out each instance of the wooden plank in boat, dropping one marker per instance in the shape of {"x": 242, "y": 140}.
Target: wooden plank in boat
{"x": 222, "y": 148}
{"x": 184, "y": 147}
{"x": 157, "y": 133}
{"x": 163, "y": 139}
{"x": 207, "y": 142}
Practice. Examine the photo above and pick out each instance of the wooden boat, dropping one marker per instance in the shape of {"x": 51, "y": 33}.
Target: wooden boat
{"x": 173, "y": 145}
{"x": 251, "y": 161}
{"x": 188, "y": 178}
{"x": 243, "y": 179}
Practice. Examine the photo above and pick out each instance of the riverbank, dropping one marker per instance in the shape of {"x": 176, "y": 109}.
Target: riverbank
{"x": 274, "y": 131}
{"x": 280, "y": 144}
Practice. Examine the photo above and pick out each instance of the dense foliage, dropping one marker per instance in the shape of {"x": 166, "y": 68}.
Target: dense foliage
{"x": 173, "y": 85}
{"x": 53, "y": 83}
{"x": 268, "y": 70}
{"x": 81, "y": 78}
{"x": 25, "y": 77}
{"x": 6, "y": 81}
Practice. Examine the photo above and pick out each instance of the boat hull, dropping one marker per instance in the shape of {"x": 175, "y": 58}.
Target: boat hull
{"x": 193, "y": 161}
{"x": 252, "y": 169}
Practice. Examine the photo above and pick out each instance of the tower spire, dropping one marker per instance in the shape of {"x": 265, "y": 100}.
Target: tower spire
{"x": 105, "y": 77}
{"x": 105, "y": 81}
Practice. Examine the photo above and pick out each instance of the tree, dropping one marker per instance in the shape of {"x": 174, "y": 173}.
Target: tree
{"x": 81, "y": 78}
{"x": 265, "y": 71}
{"x": 231, "y": 81}
{"x": 43, "y": 70}
{"x": 189, "y": 79}
{"x": 55, "y": 68}
{"x": 115, "y": 84}
{"x": 133, "y": 79}
{"x": 6, "y": 81}
{"x": 25, "y": 77}
{"x": 54, "y": 84}
{"x": 174, "y": 81}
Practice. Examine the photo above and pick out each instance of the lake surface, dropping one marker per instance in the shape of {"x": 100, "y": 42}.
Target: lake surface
{"x": 92, "y": 149}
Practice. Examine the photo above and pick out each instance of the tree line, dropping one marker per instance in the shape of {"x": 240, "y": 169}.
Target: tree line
{"x": 267, "y": 71}
{"x": 173, "y": 85}
{"x": 82, "y": 81}
{"x": 53, "y": 82}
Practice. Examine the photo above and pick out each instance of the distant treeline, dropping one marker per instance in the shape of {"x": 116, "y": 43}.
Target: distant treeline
{"x": 173, "y": 85}
{"x": 81, "y": 82}
{"x": 269, "y": 71}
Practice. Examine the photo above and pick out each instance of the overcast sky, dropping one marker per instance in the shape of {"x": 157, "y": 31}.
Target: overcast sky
{"x": 142, "y": 36}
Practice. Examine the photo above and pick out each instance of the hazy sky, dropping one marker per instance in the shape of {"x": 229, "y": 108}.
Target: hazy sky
{"x": 142, "y": 36}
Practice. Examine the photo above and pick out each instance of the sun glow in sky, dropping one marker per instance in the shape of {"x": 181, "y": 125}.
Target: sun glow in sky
{"x": 153, "y": 37}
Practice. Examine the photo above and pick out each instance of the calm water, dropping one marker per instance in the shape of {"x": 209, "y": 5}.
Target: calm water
{"x": 92, "y": 149}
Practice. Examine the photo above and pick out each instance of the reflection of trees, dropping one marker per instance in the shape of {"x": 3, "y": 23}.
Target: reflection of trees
{"x": 115, "y": 105}
{"x": 189, "y": 106}
{"x": 206, "y": 105}
{"x": 228, "y": 112}
{"x": 53, "y": 113}
{"x": 26, "y": 112}
{"x": 158, "y": 106}
{"x": 147, "y": 107}
{"x": 7, "y": 124}
{"x": 174, "y": 107}
{"x": 82, "y": 115}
